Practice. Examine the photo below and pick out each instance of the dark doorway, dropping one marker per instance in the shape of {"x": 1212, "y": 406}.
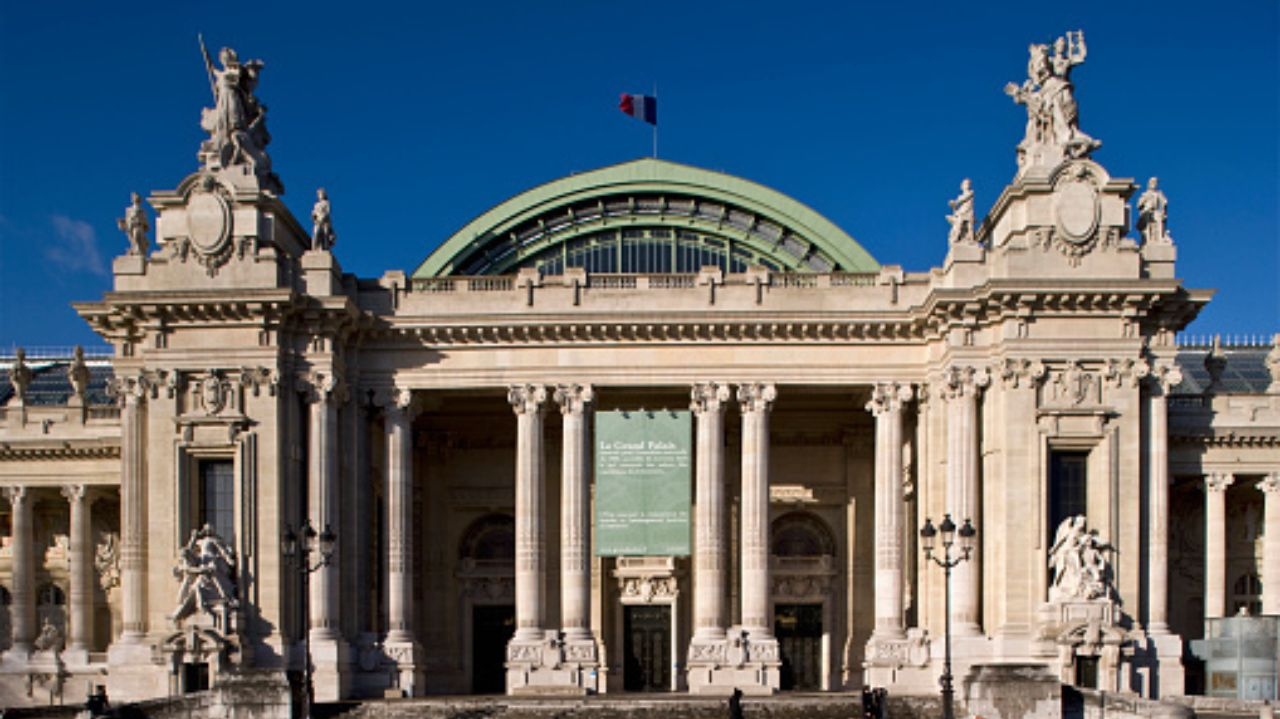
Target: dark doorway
{"x": 798, "y": 628}
{"x": 491, "y": 629}
{"x": 647, "y": 648}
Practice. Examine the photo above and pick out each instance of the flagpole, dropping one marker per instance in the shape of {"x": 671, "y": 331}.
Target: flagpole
{"x": 655, "y": 124}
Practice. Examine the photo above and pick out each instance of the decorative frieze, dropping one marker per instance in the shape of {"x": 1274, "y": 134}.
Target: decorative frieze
{"x": 1020, "y": 372}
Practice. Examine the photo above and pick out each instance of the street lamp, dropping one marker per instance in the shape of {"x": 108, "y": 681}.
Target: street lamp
{"x": 927, "y": 536}
{"x": 298, "y": 549}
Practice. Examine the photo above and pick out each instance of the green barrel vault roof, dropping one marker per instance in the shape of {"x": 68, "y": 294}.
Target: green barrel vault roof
{"x": 494, "y": 229}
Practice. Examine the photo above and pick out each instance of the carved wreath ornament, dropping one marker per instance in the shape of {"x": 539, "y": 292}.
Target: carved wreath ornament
{"x": 1077, "y": 211}
{"x": 209, "y": 221}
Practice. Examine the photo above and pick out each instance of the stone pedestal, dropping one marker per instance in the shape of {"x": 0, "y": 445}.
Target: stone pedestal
{"x": 332, "y": 661}
{"x": 717, "y": 667}
{"x": 552, "y": 666}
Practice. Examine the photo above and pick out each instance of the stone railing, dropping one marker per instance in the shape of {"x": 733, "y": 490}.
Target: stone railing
{"x": 664, "y": 281}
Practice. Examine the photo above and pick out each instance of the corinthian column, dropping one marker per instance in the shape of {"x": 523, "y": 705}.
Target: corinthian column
{"x": 963, "y": 385}
{"x": 755, "y": 400}
{"x": 81, "y": 570}
{"x": 1215, "y": 544}
{"x": 399, "y": 428}
{"x": 1270, "y": 486}
{"x": 1166, "y": 377}
{"x": 575, "y": 521}
{"x": 131, "y": 393}
{"x": 23, "y": 607}
{"x": 887, "y": 401}
{"x": 326, "y": 393}
{"x": 527, "y": 402}
{"x": 709, "y": 615}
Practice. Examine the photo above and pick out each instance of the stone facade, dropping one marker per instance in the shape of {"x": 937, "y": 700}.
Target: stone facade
{"x": 1031, "y": 383}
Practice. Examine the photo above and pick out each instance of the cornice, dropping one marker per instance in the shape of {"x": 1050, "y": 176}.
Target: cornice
{"x": 57, "y": 450}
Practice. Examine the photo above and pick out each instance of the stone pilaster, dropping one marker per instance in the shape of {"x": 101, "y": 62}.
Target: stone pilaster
{"x": 401, "y": 643}
{"x": 962, "y": 387}
{"x": 1270, "y": 487}
{"x": 80, "y": 636}
{"x": 887, "y": 402}
{"x": 1215, "y": 544}
{"x": 22, "y": 610}
{"x": 1165, "y": 378}
{"x": 580, "y": 649}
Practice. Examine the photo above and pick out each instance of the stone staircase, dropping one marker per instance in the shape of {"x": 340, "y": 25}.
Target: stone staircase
{"x": 631, "y": 706}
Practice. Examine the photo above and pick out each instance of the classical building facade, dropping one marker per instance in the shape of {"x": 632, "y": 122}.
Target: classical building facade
{"x": 441, "y": 425}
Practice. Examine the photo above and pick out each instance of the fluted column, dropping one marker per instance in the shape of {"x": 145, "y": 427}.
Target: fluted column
{"x": 709, "y": 561}
{"x": 1215, "y": 544}
{"x": 23, "y": 607}
{"x": 756, "y": 400}
{"x": 575, "y": 521}
{"x": 131, "y": 393}
{"x": 81, "y": 570}
{"x": 398, "y": 413}
{"x": 963, "y": 385}
{"x": 326, "y": 392}
{"x": 527, "y": 402}
{"x": 1165, "y": 378}
{"x": 887, "y": 401}
{"x": 1270, "y": 487}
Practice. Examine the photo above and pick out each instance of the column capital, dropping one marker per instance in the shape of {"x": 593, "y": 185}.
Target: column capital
{"x": 889, "y": 397}
{"x": 527, "y": 398}
{"x": 74, "y": 492}
{"x": 965, "y": 381}
{"x": 756, "y": 396}
{"x": 574, "y": 398}
{"x": 1270, "y": 483}
{"x": 1020, "y": 372}
{"x": 1218, "y": 481}
{"x": 1164, "y": 377}
{"x": 16, "y": 494}
{"x": 322, "y": 386}
{"x": 129, "y": 389}
{"x": 708, "y": 397}
{"x": 397, "y": 401}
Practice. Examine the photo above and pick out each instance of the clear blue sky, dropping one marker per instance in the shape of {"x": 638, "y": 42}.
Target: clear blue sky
{"x": 418, "y": 118}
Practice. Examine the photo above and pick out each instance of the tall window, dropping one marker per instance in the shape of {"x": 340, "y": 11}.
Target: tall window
{"x": 216, "y": 498}
{"x": 1068, "y": 472}
{"x": 1247, "y": 594}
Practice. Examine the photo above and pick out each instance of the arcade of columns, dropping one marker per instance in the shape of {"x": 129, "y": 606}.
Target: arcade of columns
{"x": 963, "y": 385}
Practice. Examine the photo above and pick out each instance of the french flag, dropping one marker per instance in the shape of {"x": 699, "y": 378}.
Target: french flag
{"x": 641, "y": 107}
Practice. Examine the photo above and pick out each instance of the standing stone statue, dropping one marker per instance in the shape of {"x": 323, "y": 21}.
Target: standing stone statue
{"x": 135, "y": 226}
{"x": 961, "y": 217}
{"x": 1153, "y": 214}
{"x": 20, "y": 374}
{"x": 1053, "y": 118}
{"x": 322, "y": 234}
{"x": 237, "y": 122}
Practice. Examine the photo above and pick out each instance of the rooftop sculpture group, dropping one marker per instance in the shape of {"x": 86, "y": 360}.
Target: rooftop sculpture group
{"x": 1052, "y": 115}
{"x": 237, "y": 122}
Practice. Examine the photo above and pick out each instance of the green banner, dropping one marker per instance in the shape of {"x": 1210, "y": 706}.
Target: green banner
{"x": 643, "y": 481}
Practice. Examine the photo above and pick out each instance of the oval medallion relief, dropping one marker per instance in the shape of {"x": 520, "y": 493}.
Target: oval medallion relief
{"x": 1076, "y": 207}
{"x": 208, "y": 222}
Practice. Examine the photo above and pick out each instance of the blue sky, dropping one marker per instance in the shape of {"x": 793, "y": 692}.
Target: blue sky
{"x": 418, "y": 118}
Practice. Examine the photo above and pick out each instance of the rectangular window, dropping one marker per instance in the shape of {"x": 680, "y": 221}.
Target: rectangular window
{"x": 216, "y": 498}
{"x": 1068, "y": 474}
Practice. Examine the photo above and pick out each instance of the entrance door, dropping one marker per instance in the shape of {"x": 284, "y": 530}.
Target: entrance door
{"x": 647, "y": 648}
{"x": 491, "y": 629}
{"x": 798, "y": 628}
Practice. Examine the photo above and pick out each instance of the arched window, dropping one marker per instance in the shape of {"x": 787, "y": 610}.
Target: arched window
{"x": 801, "y": 534}
{"x": 490, "y": 539}
{"x": 1247, "y": 594}
{"x": 51, "y": 595}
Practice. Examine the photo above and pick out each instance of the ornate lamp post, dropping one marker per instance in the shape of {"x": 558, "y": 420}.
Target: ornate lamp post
{"x": 927, "y": 536}
{"x": 298, "y": 555}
